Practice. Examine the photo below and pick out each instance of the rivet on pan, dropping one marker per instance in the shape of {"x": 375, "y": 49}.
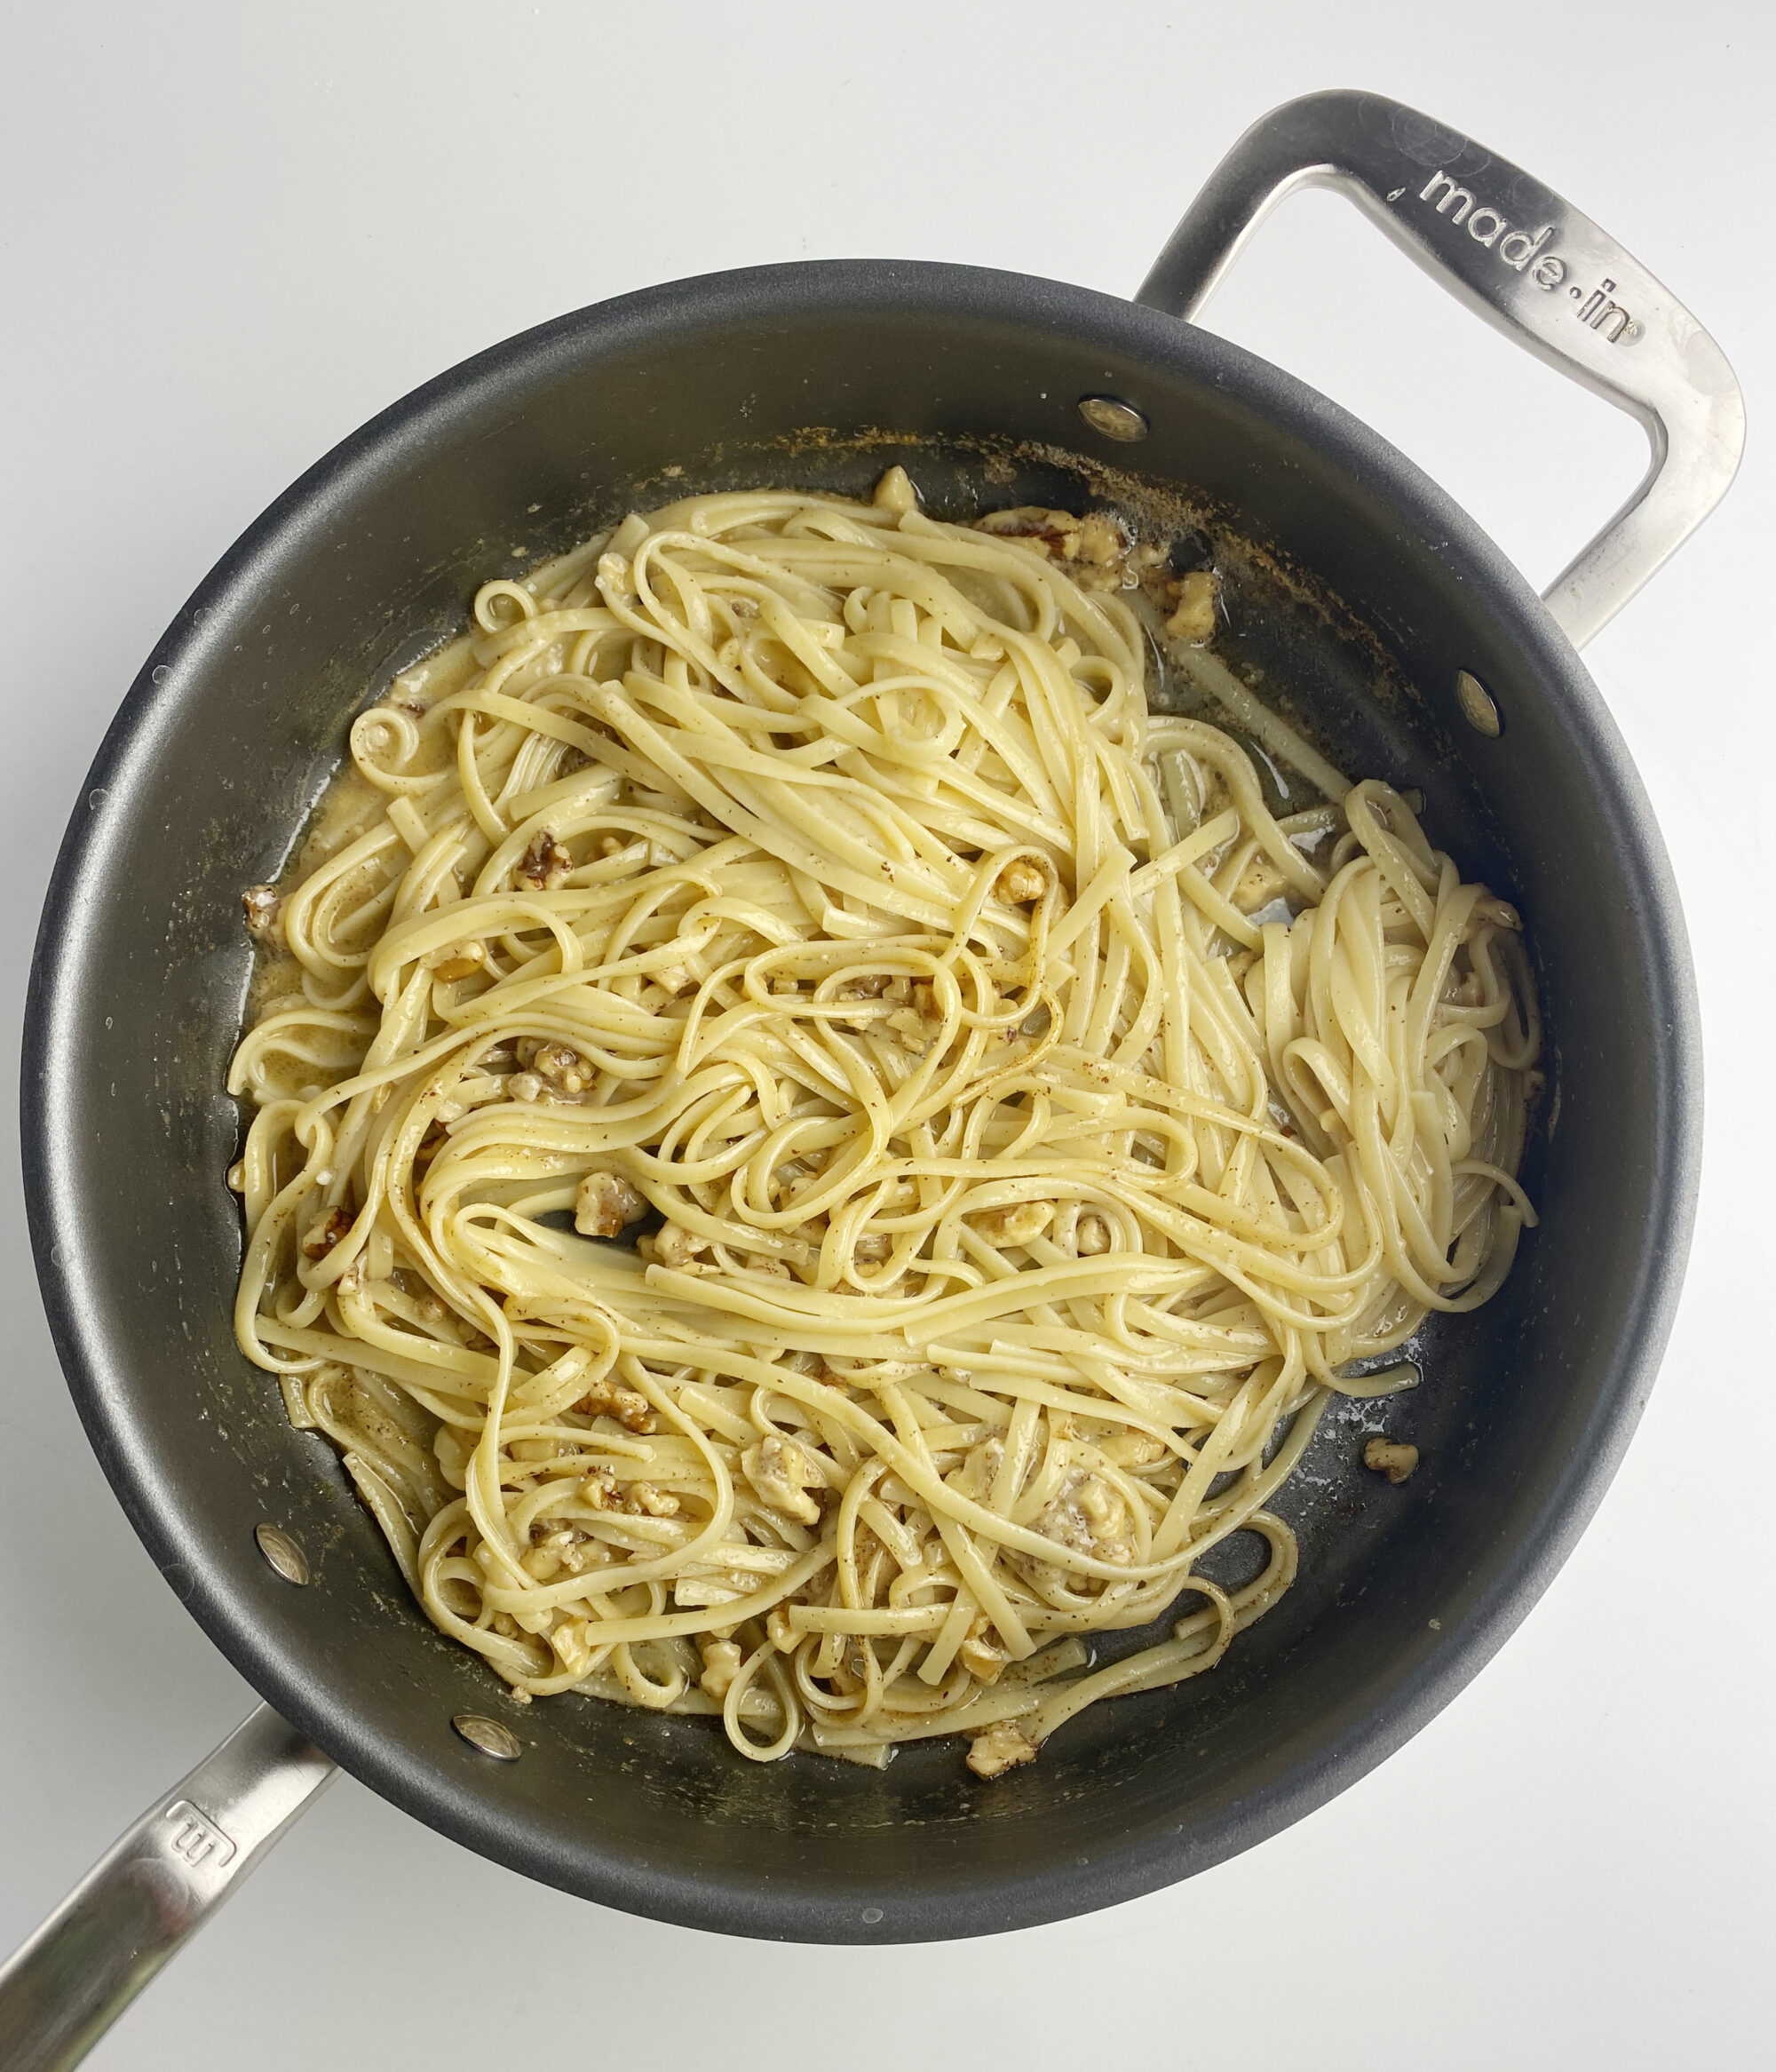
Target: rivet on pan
{"x": 1113, "y": 418}
{"x": 871, "y": 1915}
{"x": 283, "y": 1553}
{"x": 489, "y": 1736}
{"x": 1476, "y": 706}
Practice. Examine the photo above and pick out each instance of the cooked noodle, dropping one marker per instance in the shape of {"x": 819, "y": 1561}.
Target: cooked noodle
{"x": 1034, "y": 1132}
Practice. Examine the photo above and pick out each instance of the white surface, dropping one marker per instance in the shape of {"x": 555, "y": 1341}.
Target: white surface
{"x": 234, "y": 233}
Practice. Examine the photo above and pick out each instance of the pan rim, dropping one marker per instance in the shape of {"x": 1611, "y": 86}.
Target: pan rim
{"x": 1415, "y": 1692}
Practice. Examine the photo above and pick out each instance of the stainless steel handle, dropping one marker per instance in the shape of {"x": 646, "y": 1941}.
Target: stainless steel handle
{"x": 64, "y": 1989}
{"x": 1530, "y": 264}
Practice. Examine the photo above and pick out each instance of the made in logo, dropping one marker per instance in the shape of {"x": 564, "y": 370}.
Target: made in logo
{"x": 195, "y": 1837}
{"x": 1526, "y": 252}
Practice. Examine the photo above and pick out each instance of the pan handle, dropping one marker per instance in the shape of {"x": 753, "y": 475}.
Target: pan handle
{"x": 1531, "y": 265}
{"x": 70, "y": 1982}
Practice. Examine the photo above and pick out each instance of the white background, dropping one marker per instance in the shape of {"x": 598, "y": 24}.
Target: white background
{"x": 233, "y": 233}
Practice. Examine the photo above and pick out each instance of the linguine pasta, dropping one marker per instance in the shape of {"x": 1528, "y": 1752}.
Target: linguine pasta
{"x": 1013, "y": 1132}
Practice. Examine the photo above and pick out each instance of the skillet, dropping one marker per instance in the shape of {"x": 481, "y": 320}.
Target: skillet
{"x": 1395, "y": 627}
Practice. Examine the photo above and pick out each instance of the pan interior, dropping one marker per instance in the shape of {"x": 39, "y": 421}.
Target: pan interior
{"x": 205, "y": 788}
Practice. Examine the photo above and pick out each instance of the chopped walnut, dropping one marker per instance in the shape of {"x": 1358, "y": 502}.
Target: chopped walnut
{"x": 1390, "y": 1457}
{"x": 560, "y": 1067}
{"x": 1015, "y": 1223}
{"x": 631, "y": 1410}
{"x": 324, "y": 1235}
{"x": 1102, "y": 539}
{"x": 895, "y": 492}
{"x": 601, "y": 1491}
{"x": 980, "y": 1655}
{"x": 1023, "y": 880}
{"x": 262, "y": 909}
{"x": 675, "y": 1246}
{"x": 459, "y": 960}
{"x": 572, "y": 1643}
{"x": 1053, "y": 534}
{"x": 606, "y": 1205}
{"x": 782, "y": 1474}
{"x": 1260, "y": 883}
{"x": 870, "y": 986}
{"x": 721, "y": 1665}
{"x": 1192, "y": 620}
{"x": 914, "y": 1031}
{"x": 568, "y": 1547}
{"x": 1095, "y": 549}
{"x": 1088, "y": 1517}
{"x": 676, "y": 979}
{"x": 543, "y": 866}
{"x": 1090, "y": 1237}
{"x": 597, "y": 1492}
{"x": 999, "y": 1749}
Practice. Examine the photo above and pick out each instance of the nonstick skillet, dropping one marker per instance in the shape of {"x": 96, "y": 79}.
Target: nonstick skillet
{"x": 1417, "y": 653}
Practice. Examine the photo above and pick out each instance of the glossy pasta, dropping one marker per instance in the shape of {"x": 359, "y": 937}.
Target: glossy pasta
{"x": 1027, "y": 1132}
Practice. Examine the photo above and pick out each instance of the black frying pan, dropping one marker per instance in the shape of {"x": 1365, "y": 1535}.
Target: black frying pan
{"x": 1413, "y": 649}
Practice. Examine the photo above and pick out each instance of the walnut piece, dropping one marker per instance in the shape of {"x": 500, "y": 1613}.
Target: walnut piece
{"x": 262, "y": 909}
{"x": 981, "y": 1655}
{"x": 782, "y": 1474}
{"x": 673, "y": 1245}
{"x": 1095, "y": 550}
{"x": 543, "y": 866}
{"x": 562, "y": 1070}
{"x": 721, "y": 1665}
{"x": 1015, "y": 1223}
{"x": 1090, "y": 1237}
{"x": 1192, "y": 619}
{"x": 1023, "y": 880}
{"x": 324, "y": 1235}
{"x": 631, "y": 1410}
{"x": 601, "y": 1491}
{"x": 1390, "y": 1457}
{"x": 1090, "y": 1517}
{"x": 999, "y": 1749}
{"x": 606, "y": 1205}
{"x": 459, "y": 960}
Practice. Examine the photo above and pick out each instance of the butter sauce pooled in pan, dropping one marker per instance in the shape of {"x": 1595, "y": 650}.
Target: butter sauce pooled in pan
{"x": 1016, "y": 1133}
